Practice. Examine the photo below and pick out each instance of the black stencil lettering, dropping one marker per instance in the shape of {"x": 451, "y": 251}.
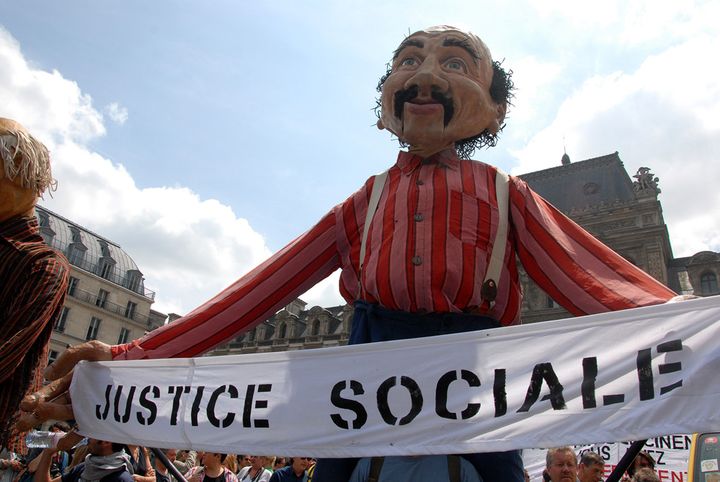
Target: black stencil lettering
{"x": 353, "y": 405}
{"x": 212, "y": 417}
{"x": 148, "y": 405}
{"x": 645, "y": 375}
{"x": 178, "y": 390}
{"x": 590, "y": 371}
{"x": 613, "y": 399}
{"x": 125, "y": 417}
{"x": 672, "y": 345}
{"x": 247, "y": 409}
{"x": 262, "y": 422}
{"x": 671, "y": 387}
{"x": 416, "y": 400}
{"x": 196, "y": 406}
{"x": 441, "y": 395}
{"x": 104, "y": 414}
{"x": 544, "y": 371}
{"x": 499, "y": 392}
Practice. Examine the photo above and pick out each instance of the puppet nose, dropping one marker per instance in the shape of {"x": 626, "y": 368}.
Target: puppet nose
{"x": 428, "y": 78}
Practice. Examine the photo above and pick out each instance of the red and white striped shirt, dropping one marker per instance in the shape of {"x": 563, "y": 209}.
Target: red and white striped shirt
{"x": 427, "y": 250}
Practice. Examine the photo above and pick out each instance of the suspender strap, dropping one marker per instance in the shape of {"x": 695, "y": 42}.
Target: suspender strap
{"x": 375, "y": 467}
{"x": 497, "y": 256}
{"x": 453, "y": 462}
{"x": 378, "y": 184}
{"x": 492, "y": 274}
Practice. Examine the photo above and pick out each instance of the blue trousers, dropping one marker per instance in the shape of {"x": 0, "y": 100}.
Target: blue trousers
{"x": 372, "y": 323}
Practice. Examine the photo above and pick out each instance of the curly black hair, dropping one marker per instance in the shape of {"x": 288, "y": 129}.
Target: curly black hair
{"x": 501, "y": 91}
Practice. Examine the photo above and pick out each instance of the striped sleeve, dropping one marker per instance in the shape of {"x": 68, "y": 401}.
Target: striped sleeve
{"x": 573, "y": 267}
{"x": 38, "y": 300}
{"x": 248, "y": 301}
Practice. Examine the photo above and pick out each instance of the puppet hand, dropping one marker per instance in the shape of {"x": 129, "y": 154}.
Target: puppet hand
{"x": 678, "y": 298}
{"x": 52, "y": 402}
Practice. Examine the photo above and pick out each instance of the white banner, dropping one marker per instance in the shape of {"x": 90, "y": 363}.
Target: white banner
{"x": 617, "y": 376}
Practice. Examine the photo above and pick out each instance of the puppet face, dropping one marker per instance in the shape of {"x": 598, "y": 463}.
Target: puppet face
{"x": 438, "y": 91}
{"x": 24, "y": 170}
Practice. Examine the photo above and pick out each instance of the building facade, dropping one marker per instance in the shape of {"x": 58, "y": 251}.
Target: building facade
{"x": 106, "y": 298}
{"x": 599, "y": 194}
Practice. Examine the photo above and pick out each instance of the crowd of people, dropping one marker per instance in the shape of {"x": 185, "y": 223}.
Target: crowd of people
{"x": 104, "y": 461}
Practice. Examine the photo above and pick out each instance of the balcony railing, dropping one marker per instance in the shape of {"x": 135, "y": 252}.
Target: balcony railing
{"x": 93, "y": 299}
{"x": 108, "y": 272}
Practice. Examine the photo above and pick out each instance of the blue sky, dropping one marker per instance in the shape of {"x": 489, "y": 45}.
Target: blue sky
{"x": 202, "y": 136}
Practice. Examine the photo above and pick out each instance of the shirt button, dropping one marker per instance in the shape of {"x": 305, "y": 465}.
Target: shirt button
{"x": 418, "y": 217}
{"x": 417, "y": 260}
{"x": 419, "y": 182}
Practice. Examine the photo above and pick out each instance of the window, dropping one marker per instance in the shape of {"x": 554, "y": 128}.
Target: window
{"x": 93, "y": 329}
{"x": 105, "y": 269}
{"x": 59, "y": 325}
{"x": 101, "y": 298}
{"x": 124, "y": 336}
{"x": 708, "y": 284}
{"x": 130, "y": 310}
{"x": 550, "y": 303}
{"x": 52, "y": 356}
{"x": 72, "y": 284}
{"x": 315, "y": 330}
{"x": 282, "y": 331}
{"x": 251, "y": 336}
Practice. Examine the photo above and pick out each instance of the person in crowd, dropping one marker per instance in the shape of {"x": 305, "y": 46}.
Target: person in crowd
{"x": 107, "y": 462}
{"x": 279, "y": 463}
{"x": 591, "y": 467}
{"x": 142, "y": 468}
{"x": 211, "y": 469}
{"x": 10, "y": 465}
{"x": 231, "y": 462}
{"x": 255, "y": 472}
{"x": 643, "y": 460}
{"x": 425, "y": 468}
{"x": 645, "y": 474}
{"x": 295, "y": 472}
{"x": 561, "y": 464}
{"x": 162, "y": 474}
{"x": 186, "y": 459}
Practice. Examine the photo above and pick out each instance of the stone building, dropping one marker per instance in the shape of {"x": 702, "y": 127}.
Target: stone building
{"x": 622, "y": 211}
{"x": 106, "y": 299}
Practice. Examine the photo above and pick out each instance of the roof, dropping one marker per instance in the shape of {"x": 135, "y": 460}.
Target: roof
{"x": 89, "y": 251}
{"x": 598, "y": 181}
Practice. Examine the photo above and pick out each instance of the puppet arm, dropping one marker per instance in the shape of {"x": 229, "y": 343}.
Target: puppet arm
{"x": 573, "y": 267}
{"x": 248, "y": 301}
{"x": 38, "y": 299}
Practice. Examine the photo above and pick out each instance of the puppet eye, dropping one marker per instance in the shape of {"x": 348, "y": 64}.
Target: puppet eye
{"x": 455, "y": 64}
{"x": 408, "y": 62}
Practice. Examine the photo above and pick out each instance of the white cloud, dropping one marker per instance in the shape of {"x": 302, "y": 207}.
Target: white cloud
{"x": 188, "y": 248}
{"x": 117, "y": 113}
{"x": 632, "y": 23}
{"x": 665, "y": 115}
{"x": 532, "y": 77}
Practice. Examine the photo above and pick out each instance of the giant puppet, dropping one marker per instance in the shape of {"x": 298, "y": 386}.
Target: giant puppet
{"x": 33, "y": 277}
{"x": 428, "y": 247}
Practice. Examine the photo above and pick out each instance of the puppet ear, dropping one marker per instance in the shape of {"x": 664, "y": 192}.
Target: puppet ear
{"x": 500, "y": 111}
{"x": 380, "y": 124}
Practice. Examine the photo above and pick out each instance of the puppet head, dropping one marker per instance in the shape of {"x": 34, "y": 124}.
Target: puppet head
{"x": 443, "y": 90}
{"x": 24, "y": 170}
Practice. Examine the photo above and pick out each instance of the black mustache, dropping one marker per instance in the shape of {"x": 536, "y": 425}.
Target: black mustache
{"x": 406, "y": 95}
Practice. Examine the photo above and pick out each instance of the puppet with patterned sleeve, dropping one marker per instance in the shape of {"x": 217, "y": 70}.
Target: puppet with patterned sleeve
{"x": 428, "y": 247}
{"x": 33, "y": 277}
